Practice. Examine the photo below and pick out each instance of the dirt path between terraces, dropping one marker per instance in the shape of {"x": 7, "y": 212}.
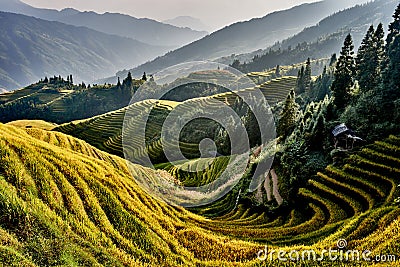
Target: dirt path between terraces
{"x": 275, "y": 187}
{"x": 267, "y": 186}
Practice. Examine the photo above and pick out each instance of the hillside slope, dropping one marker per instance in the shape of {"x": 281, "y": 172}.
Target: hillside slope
{"x": 246, "y": 36}
{"x": 105, "y": 131}
{"x": 322, "y": 39}
{"x": 188, "y": 21}
{"x": 32, "y": 48}
{"x": 259, "y": 34}
{"x": 65, "y": 203}
{"x": 144, "y": 30}
{"x": 60, "y": 101}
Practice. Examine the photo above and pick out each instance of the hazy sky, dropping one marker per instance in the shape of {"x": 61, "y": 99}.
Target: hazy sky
{"x": 215, "y": 13}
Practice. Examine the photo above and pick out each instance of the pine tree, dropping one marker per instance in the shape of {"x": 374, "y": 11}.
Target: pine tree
{"x": 333, "y": 60}
{"x": 321, "y": 86}
{"x": 235, "y": 64}
{"x": 318, "y": 132}
{"x": 379, "y": 52}
{"x": 71, "y": 80}
{"x": 287, "y": 120}
{"x": 366, "y": 67}
{"x": 369, "y": 59}
{"x": 119, "y": 82}
{"x": 394, "y": 27}
{"x": 278, "y": 71}
{"x": 391, "y": 65}
{"x": 391, "y": 76}
{"x": 144, "y": 77}
{"x": 307, "y": 76}
{"x": 128, "y": 81}
{"x": 344, "y": 72}
{"x": 300, "y": 81}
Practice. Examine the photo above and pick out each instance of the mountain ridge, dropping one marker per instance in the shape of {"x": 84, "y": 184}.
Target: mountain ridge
{"x": 324, "y": 38}
{"x": 32, "y": 48}
{"x": 188, "y": 21}
{"x": 142, "y": 29}
{"x": 244, "y": 36}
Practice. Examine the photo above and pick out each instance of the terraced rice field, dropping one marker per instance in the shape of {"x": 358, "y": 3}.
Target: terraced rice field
{"x": 57, "y": 105}
{"x": 219, "y": 75}
{"x": 353, "y": 202}
{"x": 260, "y": 77}
{"x": 274, "y": 91}
{"x": 332, "y": 197}
{"x": 197, "y": 172}
{"x": 14, "y": 95}
{"x": 105, "y": 131}
{"x": 44, "y": 125}
{"x": 278, "y": 89}
{"x": 84, "y": 208}
{"x": 41, "y": 96}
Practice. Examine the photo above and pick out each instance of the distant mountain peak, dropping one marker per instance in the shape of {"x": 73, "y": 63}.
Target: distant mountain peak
{"x": 69, "y": 11}
{"x": 144, "y": 30}
{"x": 10, "y": 1}
{"x": 189, "y": 22}
{"x": 55, "y": 48}
{"x": 251, "y": 35}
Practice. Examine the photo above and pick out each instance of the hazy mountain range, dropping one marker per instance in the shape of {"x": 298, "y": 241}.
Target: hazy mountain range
{"x": 31, "y": 48}
{"x": 144, "y": 30}
{"x": 247, "y": 36}
{"x": 190, "y": 22}
{"x": 327, "y": 36}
